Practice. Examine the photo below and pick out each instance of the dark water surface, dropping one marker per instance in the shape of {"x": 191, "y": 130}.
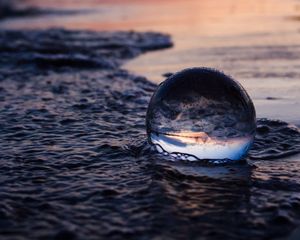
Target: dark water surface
{"x": 75, "y": 164}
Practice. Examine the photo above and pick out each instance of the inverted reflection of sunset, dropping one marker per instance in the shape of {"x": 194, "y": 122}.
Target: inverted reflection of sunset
{"x": 202, "y": 147}
{"x": 190, "y": 137}
{"x": 201, "y": 138}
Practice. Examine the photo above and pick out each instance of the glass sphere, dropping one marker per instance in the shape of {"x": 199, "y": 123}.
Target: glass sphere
{"x": 201, "y": 113}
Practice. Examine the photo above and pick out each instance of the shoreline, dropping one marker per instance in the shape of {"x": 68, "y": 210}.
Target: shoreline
{"x": 268, "y": 72}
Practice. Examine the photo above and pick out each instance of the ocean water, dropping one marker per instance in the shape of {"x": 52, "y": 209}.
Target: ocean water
{"x": 75, "y": 163}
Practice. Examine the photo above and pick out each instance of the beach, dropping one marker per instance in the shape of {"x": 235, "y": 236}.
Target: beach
{"x": 256, "y": 42}
{"x": 75, "y": 82}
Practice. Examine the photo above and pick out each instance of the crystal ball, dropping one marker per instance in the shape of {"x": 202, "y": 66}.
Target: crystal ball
{"x": 201, "y": 113}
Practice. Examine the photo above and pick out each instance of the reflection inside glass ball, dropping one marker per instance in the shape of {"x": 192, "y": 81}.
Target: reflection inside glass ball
{"x": 200, "y": 113}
